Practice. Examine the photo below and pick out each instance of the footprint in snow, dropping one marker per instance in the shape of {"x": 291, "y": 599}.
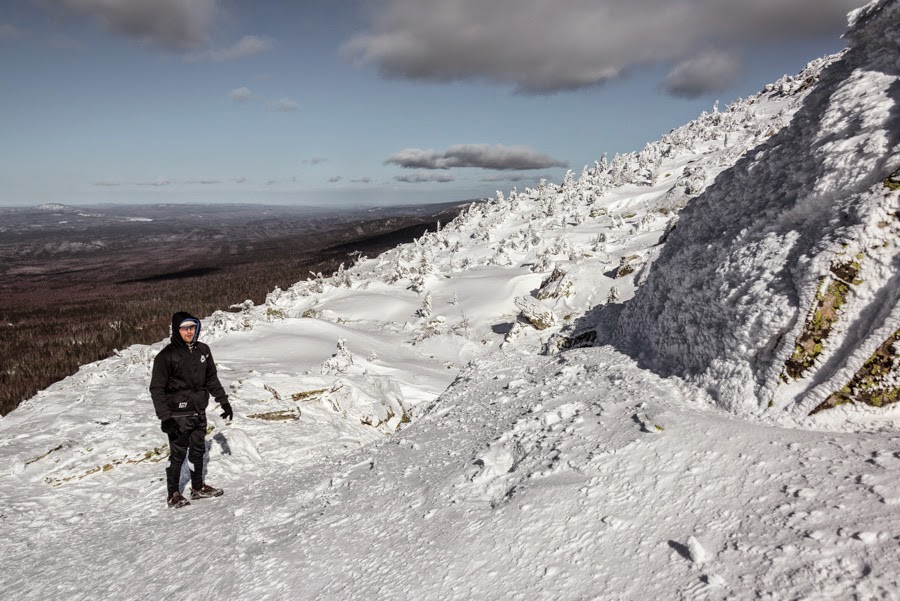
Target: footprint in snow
{"x": 725, "y": 521}
{"x": 494, "y": 462}
{"x": 489, "y": 482}
{"x": 884, "y": 486}
{"x": 706, "y": 587}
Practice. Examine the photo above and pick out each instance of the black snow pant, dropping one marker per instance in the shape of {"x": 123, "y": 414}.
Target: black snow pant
{"x": 190, "y": 441}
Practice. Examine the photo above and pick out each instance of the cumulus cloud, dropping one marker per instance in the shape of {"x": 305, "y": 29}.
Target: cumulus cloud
{"x": 246, "y": 46}
{"x": 539, "y": 46}
{"x": 180, "y": 25}
{"x": 421, "y": 178}
{"x": 242, "y": 94}
{"x": 157, "y": 183}
{"x": 708, "y": 72}
{"x": 483, "y": 156}
{"x": 285, "y": 105}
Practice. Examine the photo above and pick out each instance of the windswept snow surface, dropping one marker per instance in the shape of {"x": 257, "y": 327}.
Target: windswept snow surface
{"x": 402, "y": 432}
{"x": 571, "y": 477}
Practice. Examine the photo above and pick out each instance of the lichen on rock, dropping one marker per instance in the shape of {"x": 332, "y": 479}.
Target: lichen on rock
{"x": 830, "y": 297}
{"x": 628, "y": 265}
{"x": 892, "y": 182}
{"x": 876, "y": 383}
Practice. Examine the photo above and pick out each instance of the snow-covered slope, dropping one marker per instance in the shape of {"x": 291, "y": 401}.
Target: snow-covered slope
{"x": 423, "y": 425}
{"x": 781, "y": 279}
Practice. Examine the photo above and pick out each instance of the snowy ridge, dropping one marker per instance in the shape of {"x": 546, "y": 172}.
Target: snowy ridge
{"x": 877, "y": 9}
{"x": 439, "y": 422}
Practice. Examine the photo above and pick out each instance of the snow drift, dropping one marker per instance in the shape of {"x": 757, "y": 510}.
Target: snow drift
{"x": 743, "y": 298}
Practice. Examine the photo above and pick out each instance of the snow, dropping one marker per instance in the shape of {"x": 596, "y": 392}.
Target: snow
{"x": 401, "y": 432}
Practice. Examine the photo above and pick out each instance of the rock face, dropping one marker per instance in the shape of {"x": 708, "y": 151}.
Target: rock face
{"x": 752, "y": 296}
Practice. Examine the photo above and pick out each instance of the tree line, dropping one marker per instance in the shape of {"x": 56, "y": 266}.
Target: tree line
{"x": 59, "y": 329}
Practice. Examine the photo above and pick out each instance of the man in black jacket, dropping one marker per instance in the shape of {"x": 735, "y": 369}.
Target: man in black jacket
{"x": 184, "y": 375}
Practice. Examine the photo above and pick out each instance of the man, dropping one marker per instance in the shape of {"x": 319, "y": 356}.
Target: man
{"x": 184, "y": 375}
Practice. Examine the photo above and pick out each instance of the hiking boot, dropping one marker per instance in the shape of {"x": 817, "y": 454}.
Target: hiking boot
{"x": 176, "y": 500}
{"x": 206, "y": 491}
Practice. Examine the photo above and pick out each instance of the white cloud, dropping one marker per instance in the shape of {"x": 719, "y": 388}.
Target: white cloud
{"x": 539, "y": 46}
{"x": 180, "y": 25}
{"x": 285, "y": 105}
{"x": 483, "y": 156}
{"x": 420, "y": 178}
{"x": 158, "y": 183}
{"x": 242, "y": 94}
{"x": 246, "y": 46}
{"x": 708, "y": 72}
{"x": 245, "y": 94}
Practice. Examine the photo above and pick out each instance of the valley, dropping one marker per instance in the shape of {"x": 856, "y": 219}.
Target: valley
{"x": 77, "y": 283}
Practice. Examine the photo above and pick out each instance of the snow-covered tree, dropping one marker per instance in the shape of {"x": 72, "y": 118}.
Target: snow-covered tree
{"x": 613, "y": 295}
{"x": 425, "y": 309}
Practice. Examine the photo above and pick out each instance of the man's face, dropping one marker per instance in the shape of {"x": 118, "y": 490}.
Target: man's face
{"x": 187, "y": 333}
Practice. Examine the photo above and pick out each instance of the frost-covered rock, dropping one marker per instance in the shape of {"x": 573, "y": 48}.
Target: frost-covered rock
{"x": 536, "y": 313}
{"x": 741, "y": 278}
{"x": 558, "y": 285}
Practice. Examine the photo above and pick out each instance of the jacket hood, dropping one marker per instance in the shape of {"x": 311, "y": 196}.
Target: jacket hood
{"x": 179, "y": 317}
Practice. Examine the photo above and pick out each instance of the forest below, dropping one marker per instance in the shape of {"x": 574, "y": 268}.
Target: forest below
{"x": 73, "y": 295}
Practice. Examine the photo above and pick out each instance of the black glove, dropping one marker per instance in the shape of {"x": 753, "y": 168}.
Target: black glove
{"x": 227, "y": 413}
{"x": 169, "y": 426}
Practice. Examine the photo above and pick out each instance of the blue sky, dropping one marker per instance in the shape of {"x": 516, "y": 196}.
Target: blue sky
{"x": 362, "y": 102}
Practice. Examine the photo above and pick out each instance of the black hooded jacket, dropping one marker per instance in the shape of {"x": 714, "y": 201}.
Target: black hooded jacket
{"x": 184, "y": 375}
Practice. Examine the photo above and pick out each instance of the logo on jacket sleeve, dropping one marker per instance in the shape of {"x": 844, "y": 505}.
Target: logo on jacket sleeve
{"x": 202, "y": 358}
